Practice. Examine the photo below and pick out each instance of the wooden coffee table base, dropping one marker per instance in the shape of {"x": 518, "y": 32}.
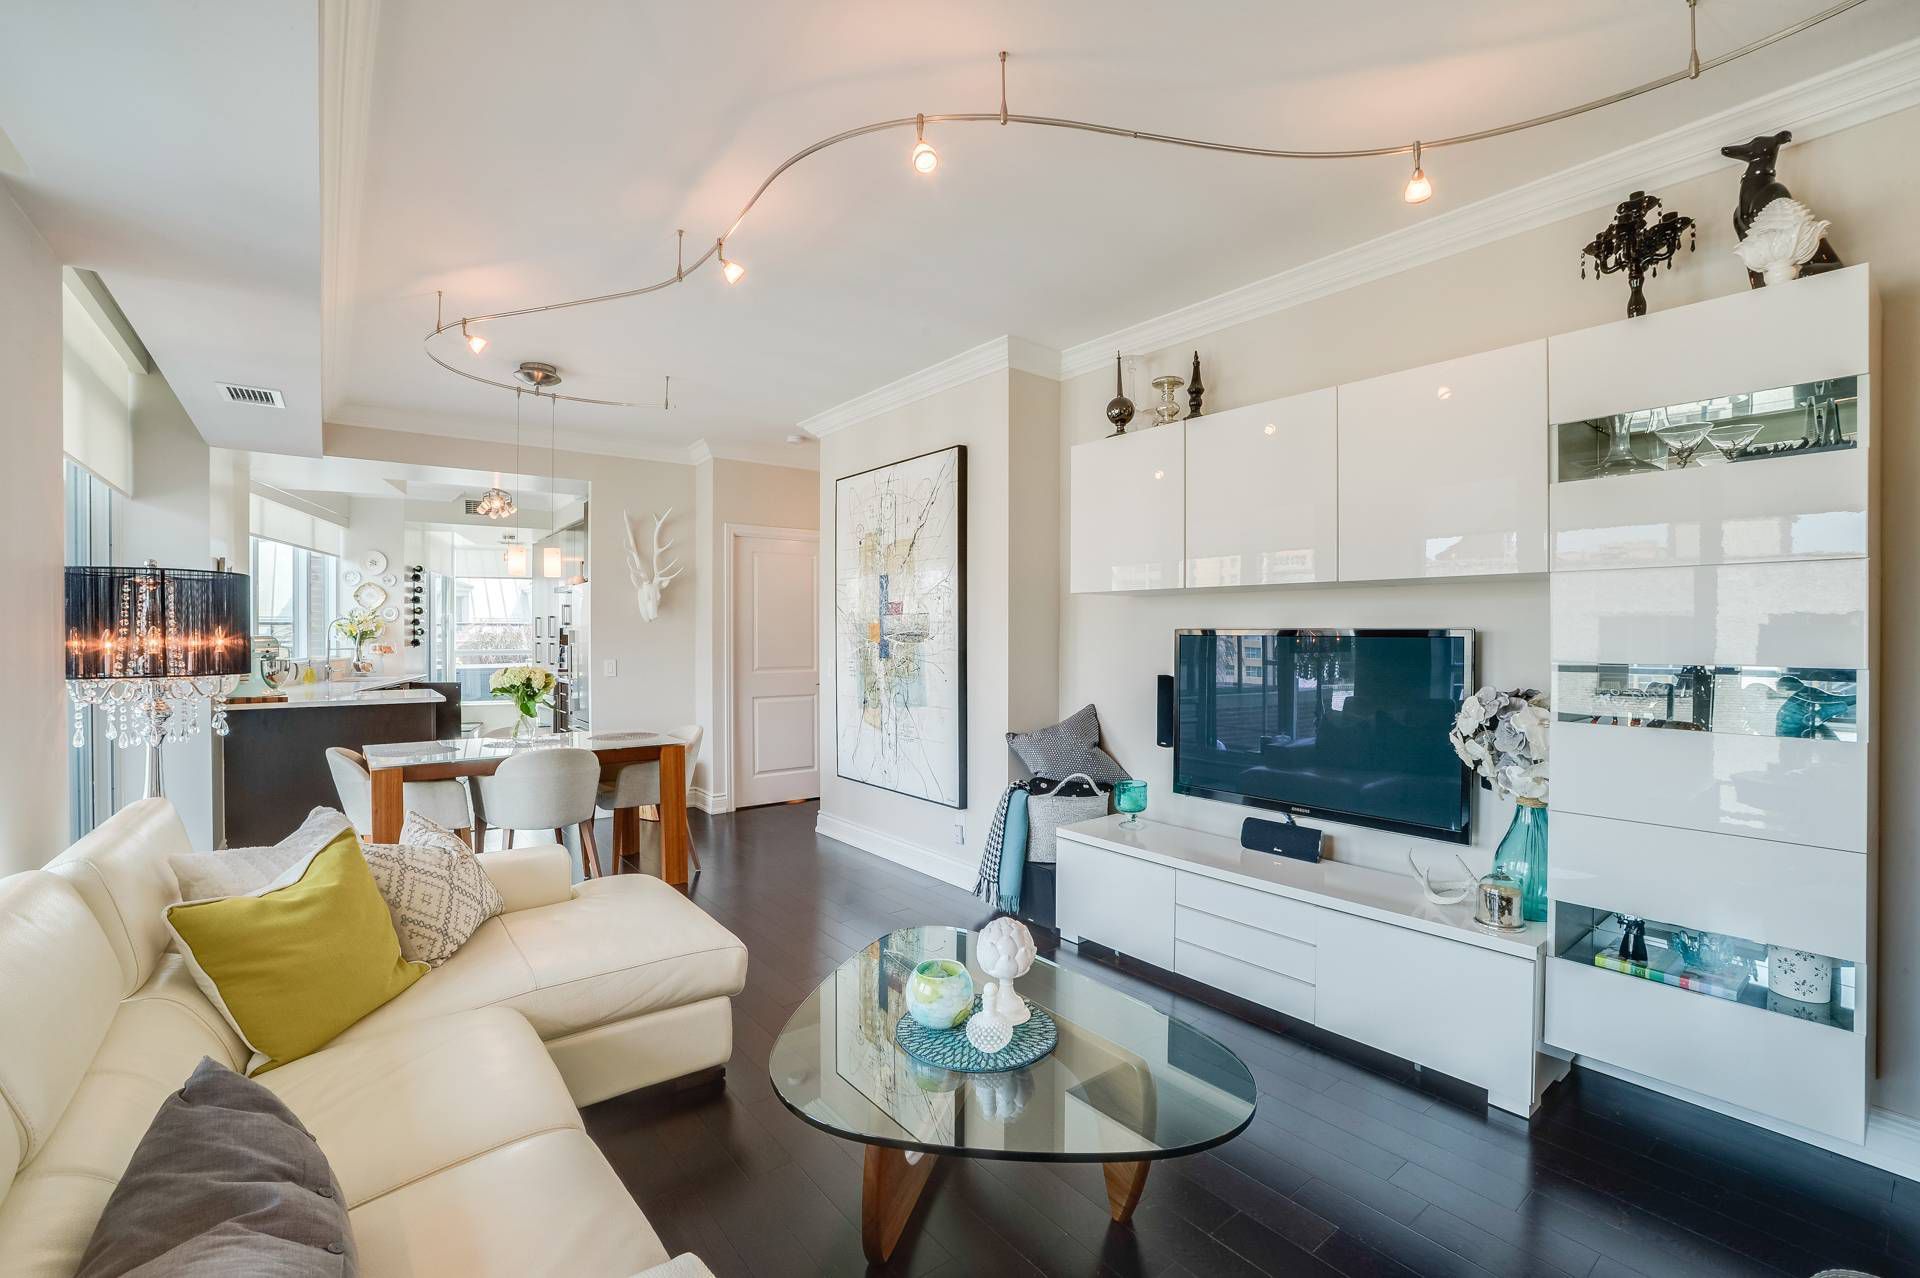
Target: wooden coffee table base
{"x": 891, "y": 1184}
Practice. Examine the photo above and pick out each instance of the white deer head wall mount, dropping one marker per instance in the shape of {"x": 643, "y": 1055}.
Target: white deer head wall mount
{"x": 650, "y": 576}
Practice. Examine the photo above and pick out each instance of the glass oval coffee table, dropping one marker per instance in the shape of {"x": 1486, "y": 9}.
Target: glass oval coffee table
{"x": 1126, "y": 1085}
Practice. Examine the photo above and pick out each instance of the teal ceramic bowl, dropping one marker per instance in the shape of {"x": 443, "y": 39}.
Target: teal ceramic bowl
{"x": 940, "y": 994}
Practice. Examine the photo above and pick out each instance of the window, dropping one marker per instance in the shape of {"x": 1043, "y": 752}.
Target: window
{"x": 493, "y": 627}
{"x": 90, "y": 506}
{"x": 295, "y": 598}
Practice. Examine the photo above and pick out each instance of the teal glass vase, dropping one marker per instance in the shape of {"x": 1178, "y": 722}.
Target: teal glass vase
{"x": 1522, "y": 855}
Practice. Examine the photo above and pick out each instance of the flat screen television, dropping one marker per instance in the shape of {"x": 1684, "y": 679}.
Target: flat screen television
{"x": 1350, "y": 725}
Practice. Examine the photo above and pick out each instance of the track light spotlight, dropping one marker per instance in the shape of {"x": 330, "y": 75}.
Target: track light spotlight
{"x": 475, "y": 342}
{"x": 925, "y": 158}
{"x": 732, "y": 270}
{"x": 1419, "y": 188}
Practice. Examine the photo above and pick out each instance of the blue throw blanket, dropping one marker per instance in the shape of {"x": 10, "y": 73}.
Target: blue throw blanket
{"x": 1003, "y": 862}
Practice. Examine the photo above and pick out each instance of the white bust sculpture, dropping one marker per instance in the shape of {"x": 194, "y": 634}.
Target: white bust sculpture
{"x": 1006, "y": 954}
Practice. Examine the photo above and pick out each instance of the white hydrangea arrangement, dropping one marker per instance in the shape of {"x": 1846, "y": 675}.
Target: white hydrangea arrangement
{"x": 527, "y": 685}
{"x": 1502, "y": 736}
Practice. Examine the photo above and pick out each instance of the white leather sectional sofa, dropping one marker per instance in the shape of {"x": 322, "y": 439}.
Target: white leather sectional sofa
{"x": 450, "y": 1115}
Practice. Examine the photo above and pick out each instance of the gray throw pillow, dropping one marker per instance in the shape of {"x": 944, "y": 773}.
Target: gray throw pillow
{"x": 213, "y": 876}
{"x": 1070, "y": 746}
{"x": 226, "y": 1182}
{"x": 434, "y": 888}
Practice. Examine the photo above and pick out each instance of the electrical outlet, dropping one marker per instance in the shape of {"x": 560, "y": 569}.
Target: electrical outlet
{"x": 607, "y": 668}
{"x": 959, "y": 834}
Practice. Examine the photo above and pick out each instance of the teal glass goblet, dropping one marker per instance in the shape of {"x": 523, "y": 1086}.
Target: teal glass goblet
{"x": 1130, "y": 797}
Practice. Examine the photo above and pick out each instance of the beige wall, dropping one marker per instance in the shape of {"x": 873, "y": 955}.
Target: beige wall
{"x": 654, "y": 684}
{"x": 744, "y": 494}
{"x": 1008, "y": 422}
{"x": 1526, "y": 287}
{"x": 33, "y": 780}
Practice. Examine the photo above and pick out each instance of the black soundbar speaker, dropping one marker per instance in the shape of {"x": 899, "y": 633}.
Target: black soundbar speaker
{"x": 1163, "y": 713}
{"x": 1282, "y": 838}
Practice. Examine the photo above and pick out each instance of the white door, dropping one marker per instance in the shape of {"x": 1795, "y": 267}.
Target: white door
{"x": 776, "y": 668}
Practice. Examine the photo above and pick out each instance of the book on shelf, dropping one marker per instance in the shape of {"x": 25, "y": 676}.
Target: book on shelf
{"x": 1698, "y": 982}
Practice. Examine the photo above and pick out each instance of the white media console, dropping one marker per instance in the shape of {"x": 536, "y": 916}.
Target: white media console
{"x": 1357, "y": 952}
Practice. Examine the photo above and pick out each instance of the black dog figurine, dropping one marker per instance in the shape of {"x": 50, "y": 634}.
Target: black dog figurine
{"x": 1759, "y": 188}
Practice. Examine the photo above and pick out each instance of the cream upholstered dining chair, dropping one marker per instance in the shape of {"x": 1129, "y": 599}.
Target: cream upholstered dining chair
{"x": 442, "y": 802}
{"x": 546, "y": 788}
{"x": 637, "y": 785}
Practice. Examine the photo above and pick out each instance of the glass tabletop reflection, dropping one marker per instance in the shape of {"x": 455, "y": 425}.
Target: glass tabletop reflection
{"x": 398, "y": 754}
{"x": 1126, "y": 1083}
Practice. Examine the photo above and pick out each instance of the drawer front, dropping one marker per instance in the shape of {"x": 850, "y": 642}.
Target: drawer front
{"x": 1281, "y": 915}
{"x": 1794, "y": 613}
{"x": 1117, "y": 901}
{"x": 1812, "y": 1075}
{"x": 1788, "y": 789}
{"x": 1453, "y": 1007}
{"x": 1255, "y": 984}
{"x": 1779, "y": 893}
{"x": 1279, "y": 954}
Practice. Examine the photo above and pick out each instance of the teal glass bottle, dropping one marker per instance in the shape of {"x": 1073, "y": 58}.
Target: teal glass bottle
{"x": 1522, "y": 855}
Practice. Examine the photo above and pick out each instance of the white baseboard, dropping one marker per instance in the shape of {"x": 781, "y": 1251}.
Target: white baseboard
{"x": 708, "y": 801}
{"x": 891, "y": 848}
{"x": 1893, "y": 1140}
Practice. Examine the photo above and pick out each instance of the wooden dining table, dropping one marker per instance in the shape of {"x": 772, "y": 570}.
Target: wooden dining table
{"x": 393, "y": 765}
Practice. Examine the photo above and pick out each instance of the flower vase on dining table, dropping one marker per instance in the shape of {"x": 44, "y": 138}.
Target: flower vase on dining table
{"x": 1522, "y": 855}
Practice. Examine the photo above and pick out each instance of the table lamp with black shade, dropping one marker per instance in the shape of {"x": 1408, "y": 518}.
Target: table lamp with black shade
{"x": 149, "y": 646}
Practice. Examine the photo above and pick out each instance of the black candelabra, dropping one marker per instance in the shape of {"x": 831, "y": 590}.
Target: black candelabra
{"x": 1632, "y": 244}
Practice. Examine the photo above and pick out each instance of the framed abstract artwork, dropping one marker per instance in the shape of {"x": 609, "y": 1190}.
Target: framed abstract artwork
{"x": 900, "y": 626}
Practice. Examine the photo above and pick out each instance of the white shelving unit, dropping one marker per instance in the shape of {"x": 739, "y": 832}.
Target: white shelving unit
{"x": 1713, "y": 642}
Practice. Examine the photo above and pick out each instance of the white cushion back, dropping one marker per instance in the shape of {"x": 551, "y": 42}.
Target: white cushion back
{"x": 355, "y": 787}
{"x": 60, "y": 986}
{"x": 540, "y": 789}
{"x": 121, "y": 872}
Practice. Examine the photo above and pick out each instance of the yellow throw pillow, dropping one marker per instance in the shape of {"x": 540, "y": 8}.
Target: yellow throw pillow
{"x": 298, "y": 961}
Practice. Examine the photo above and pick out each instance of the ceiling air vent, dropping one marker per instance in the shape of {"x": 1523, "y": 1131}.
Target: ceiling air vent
{"x": 472, "y": 505}
{"x": 256, "y": 395}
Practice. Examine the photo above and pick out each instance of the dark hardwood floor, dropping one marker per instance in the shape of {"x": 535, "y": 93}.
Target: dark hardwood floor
{"x": 1343, "y": 1171}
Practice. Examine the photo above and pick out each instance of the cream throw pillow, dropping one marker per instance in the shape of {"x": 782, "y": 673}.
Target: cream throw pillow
{"x": 207, "y": 876}
{"x": 434, "y": 886}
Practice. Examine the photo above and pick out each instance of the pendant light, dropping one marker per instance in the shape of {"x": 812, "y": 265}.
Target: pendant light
{"x": 497, "y": 502}
{"x": 1419, "y": 187}
{"x": 925, "y": 159}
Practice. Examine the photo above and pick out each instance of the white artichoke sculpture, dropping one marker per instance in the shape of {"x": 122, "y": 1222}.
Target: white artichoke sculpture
{"x": 1782, "y": 237}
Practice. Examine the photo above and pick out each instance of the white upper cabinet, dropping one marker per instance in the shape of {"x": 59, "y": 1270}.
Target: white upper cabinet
{"x": 1734, "y": 430}
{"x": 1443, "y": 469}
{"x": 1127, "y": 523}
{"x": 1262, "y": 493}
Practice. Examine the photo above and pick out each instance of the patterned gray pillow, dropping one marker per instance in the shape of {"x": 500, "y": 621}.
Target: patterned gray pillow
{"x": 211, "y": 876}
{"x": 435, "y": 889}
{"x": 1070, "y": 746}
{"x": 226, "y": 1181}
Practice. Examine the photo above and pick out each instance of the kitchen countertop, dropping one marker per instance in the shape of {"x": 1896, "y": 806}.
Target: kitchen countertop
{"x": 367, "y": 690}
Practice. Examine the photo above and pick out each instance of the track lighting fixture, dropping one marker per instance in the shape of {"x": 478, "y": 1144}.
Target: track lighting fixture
{"x": 925, "y": 158}
{"x": 1419, "y": 187}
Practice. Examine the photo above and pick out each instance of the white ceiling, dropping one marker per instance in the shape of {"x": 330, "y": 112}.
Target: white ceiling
{"x": 510, "y": 163}
{"x": 175, "y": 149}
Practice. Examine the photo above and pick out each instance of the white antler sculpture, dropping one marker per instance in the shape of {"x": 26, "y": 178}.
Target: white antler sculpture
{"x": 650, "y": 580}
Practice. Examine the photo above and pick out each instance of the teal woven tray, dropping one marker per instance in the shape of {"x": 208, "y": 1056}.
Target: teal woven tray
{"x": 949, "y": 1049}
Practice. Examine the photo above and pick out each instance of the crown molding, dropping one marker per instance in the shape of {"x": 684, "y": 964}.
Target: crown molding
{"x": 1877, "y": 85}
{"x": 347, "y": 33}
{"x": 998, "y": 355}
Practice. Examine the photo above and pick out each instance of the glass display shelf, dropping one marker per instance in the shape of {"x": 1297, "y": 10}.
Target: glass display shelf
{"x": 1763, "y": 425}
{"x": 1810, "y": 703}
{"x": 1711, "y": 964}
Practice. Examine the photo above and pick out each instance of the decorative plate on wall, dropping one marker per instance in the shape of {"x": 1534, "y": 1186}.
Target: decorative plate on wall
{"x": 389, "y": 580}
{"x": 370, "y": 595}
{"x": 375, "y": 563}
{"x": 351, "y": 576}
{"x": 389, "y": 613}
